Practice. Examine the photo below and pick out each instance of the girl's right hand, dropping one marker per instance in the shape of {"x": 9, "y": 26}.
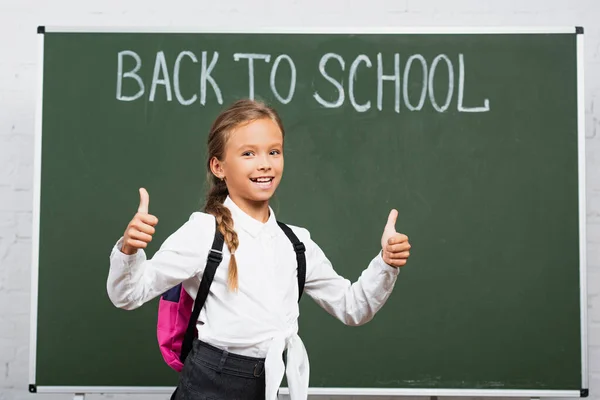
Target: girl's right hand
{"x": 141, "y": 228}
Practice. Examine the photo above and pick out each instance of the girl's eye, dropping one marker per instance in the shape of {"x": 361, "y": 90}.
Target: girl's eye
{"x": 247, "y": 154}
{"x": 275, "y": 152}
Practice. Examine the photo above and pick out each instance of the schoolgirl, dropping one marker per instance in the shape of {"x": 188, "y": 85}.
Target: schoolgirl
{"x": 250, "y": 317}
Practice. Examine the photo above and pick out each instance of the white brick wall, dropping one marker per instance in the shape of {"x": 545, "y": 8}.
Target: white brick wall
{"x": 18, "y": 69}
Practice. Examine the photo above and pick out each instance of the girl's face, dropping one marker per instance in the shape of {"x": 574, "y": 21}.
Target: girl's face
{"x": 253, "y": 162}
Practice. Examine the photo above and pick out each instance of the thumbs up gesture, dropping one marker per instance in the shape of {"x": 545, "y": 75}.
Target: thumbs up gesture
{"x": 141, "y": 228}
{"x": 394, "y": 245}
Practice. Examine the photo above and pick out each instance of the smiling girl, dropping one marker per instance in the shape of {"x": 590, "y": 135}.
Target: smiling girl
{"x": 250, "y": 317}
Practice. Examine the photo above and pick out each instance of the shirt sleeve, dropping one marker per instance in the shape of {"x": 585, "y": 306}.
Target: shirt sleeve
{"x": 352, "y": 303}
{"x": 134, "y": 280}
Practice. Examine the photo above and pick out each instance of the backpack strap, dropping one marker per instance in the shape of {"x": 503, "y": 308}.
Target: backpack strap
{"x": 300, "y": 249}
{"x": 215, "y": 256}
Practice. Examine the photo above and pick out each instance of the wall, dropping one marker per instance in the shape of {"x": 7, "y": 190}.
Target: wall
{"x": 18, "y": 79}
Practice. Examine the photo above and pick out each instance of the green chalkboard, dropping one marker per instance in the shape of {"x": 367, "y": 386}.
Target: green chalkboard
{"x": 473, "y": 137}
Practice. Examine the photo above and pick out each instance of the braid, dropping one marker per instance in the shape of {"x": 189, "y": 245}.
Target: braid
{"x": 214, "y": 205}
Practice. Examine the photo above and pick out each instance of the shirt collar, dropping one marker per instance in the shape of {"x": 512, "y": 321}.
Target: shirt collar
{"x": 249, "y": 224}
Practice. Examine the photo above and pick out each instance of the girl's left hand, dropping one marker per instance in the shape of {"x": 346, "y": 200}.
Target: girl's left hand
{"x": 394, "y": 245}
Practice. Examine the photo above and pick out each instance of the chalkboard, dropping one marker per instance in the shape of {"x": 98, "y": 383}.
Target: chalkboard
{"x": 474, "y": 136}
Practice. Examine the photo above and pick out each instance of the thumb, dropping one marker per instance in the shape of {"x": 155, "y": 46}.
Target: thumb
{"x": 144, "y": 201}
{"x": 391, "y": 222}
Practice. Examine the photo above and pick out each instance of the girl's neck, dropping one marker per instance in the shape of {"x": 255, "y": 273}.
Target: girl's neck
{"x": 259, "y": 210}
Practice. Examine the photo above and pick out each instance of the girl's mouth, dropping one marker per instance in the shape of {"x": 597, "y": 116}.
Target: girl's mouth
{"x": 264, "y": 182}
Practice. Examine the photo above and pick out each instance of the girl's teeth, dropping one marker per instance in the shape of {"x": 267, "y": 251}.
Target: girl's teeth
{"x": 263, "y": 182}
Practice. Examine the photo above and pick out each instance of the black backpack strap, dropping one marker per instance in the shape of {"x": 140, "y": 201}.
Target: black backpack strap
{"x": 300, "y": 249}
{"x": 215, "y": 256}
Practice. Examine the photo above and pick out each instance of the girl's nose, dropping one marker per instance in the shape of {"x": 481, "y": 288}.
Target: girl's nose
{"x": 264, "y": 164}
{"x": 264, "y": 167}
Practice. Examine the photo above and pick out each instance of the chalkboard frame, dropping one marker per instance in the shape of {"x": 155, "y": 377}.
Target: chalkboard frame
{"x": 33, "y": 388}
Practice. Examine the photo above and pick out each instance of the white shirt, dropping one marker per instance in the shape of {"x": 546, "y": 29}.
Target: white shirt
{"x": 261, "y": 319}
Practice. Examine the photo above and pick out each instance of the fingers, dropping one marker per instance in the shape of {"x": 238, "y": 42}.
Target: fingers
{"x": 148, "y": 219}
{"x": 395, "y": 263}
{"x": 144, "y": 201}
{"x": 137, "y": 226}
{"x": 141, "y": 228}
{"x": 134, "y": 234}
{"x": 135, "y": 244}
{"x": 397, "y": 238}
{"x": 137, "y": 236}
{"x": 396, "y": 256}
{"x": 397, "y": 248}
{"x": 396, "y": 251}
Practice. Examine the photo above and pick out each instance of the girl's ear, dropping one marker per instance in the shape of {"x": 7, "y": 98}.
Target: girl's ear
{"x": 216, "y": 168}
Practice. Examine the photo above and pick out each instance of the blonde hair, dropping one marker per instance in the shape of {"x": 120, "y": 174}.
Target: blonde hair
{"x": 239, "y": 113}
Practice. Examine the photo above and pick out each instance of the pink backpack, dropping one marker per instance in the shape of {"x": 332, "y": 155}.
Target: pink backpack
{"x": 178, "y": 313}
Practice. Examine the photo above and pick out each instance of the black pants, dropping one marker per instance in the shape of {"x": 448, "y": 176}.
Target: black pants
{"x": 213, "y": 374}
